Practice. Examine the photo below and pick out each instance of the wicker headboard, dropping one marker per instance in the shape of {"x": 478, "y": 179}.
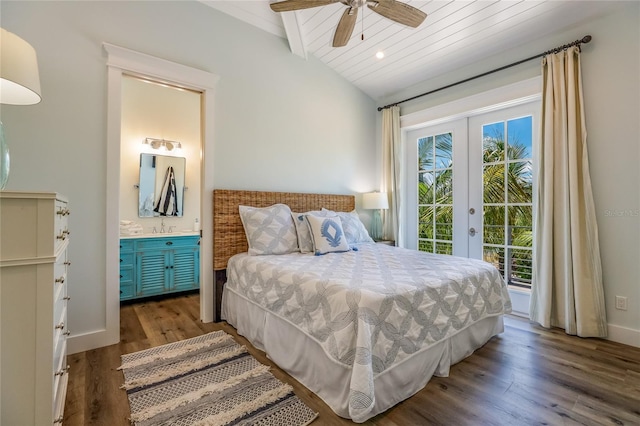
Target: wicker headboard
{"x": 228, "y": 234}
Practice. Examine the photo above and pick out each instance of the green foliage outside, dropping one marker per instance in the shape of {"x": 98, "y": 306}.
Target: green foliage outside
{"x": 505, "y": 183}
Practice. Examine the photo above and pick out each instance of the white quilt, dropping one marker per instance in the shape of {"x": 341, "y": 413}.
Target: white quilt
{"x": 372, "y": 308}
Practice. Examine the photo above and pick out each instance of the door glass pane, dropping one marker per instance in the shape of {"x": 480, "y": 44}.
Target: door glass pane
{"x": 425, "y": 245}
{"x": 508, "y": 198}
{"x": 444, "y": 248}
{"x": 519, "y": 138}
{"x": 425, "y": 153}
{"x": 520, "y": 184}
{"x": 444, "y": 186}
{"x": 493, "y": 180}
{"x": 444, "y": 151}
{"x": 493, "y": 225}
{"x": 425, "y": 188}
{"x": 520, "y": 226}
{"x": 493, "y": 142}
{"x": 444, "y": 223}
{"x": 435, "y": 193}
{"x": 495, "y": 256}
{"x": 425, "y": 222}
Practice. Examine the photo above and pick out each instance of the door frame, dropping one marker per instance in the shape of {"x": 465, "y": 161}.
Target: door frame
{"x": 495, "y": 99}
{"x": 122, "y": 61}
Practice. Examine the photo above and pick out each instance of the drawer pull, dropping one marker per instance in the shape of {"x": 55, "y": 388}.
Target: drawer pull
{"x": 60, "y": 280}
{"x": 60, "y": 212}
{"x": 58, "y": 420}
{"x": 67, "y": 333}
{"x": 67, "y": 263}
{"x": 66, "y": 231}
{"x": 60, "y": 326}
{"x": 62, "y": 236}
{"x": 169, "y": 243}
{"x": 66, "y": 298}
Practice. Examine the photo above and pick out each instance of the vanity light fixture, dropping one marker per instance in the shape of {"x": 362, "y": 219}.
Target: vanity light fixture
{"x": 162, "y": 144}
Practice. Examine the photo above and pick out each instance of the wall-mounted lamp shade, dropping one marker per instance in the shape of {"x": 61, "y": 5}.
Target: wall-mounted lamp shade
{"x": 19, "y": 78}
{"x": 375, "y": 201}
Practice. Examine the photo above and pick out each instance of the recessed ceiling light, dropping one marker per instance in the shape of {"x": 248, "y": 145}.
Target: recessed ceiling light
{"x": 380, "y": 55}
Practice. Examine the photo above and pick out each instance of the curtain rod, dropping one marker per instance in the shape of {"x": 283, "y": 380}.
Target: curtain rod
{"x": 585, "y": 39}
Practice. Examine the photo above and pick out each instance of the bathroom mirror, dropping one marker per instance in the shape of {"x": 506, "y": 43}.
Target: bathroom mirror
{"x": 161, "y": 185}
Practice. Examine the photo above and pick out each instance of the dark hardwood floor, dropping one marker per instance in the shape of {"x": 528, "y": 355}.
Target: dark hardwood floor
{"x": 526, "y": 376}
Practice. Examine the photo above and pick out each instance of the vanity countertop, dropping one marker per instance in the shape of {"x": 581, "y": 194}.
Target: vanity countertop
{"x": 163, "y": 234}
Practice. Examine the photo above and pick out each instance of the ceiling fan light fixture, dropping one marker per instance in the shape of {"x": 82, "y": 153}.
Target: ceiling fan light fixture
{"x": 394, "y": 10}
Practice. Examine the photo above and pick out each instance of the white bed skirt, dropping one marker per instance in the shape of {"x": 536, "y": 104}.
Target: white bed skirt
{"x": 304, "y": 359}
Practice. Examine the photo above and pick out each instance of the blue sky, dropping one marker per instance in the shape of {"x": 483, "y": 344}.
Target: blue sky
{"x": 517, "y": 130}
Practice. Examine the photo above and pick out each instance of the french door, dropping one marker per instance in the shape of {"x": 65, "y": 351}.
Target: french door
{"x": 470, "y": 189}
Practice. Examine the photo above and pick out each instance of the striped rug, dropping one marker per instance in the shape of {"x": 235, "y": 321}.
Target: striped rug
{"x": 207, "y": 380}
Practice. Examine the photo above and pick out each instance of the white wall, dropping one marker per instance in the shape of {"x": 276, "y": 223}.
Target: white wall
{"x": 611, "y": 84}
{"x": 281, "y": 123}
{"x": 162, "y": 112}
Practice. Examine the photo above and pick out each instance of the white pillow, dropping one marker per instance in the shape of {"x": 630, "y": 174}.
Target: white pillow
{"x": 327, "y": 233}
{"x": 305, "y": 242}
{"x": 269, "y": 230}
{"x": 354, "y": 229}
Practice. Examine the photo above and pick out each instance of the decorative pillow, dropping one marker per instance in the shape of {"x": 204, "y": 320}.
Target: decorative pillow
{"x": 269, "y": 230}
{"x": 354, "y": 229}
{"x": 327, "y": 233}
{"x": 305, "y": 242}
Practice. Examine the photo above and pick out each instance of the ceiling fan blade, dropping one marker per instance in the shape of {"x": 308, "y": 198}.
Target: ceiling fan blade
{"x": 288, "y": 5}
{"x": 399, "y": 12}
{"x": 345, "y": 27}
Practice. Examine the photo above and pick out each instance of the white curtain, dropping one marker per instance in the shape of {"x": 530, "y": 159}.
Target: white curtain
{"x": 567, "y": 290}
{"x": 391, "y": 168}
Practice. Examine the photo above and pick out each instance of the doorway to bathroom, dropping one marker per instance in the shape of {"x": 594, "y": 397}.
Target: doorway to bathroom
{"x": 121, "y": 63}
{"x": 160, "y": 170}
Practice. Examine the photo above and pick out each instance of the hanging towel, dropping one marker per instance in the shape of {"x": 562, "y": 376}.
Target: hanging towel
{"x": 168, "y": 202}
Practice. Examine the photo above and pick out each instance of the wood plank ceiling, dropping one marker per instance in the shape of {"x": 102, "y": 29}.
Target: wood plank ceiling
{"x": 456, "y": 33}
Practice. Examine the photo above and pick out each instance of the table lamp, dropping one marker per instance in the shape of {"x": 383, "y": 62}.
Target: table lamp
{"x": 375, "y": 201}
{"x": 19, "y": 84}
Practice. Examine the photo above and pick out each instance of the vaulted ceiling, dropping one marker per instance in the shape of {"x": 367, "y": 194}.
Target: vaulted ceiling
{"x": 456, "y": 33}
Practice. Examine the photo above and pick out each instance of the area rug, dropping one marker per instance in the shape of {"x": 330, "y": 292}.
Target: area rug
{"x": 208, "y": 380}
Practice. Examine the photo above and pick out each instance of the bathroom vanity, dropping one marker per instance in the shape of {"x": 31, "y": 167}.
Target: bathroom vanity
{"x": 155, "y": 264}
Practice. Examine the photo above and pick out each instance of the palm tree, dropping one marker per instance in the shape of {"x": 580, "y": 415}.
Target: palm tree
{"x": 435, "y": 198}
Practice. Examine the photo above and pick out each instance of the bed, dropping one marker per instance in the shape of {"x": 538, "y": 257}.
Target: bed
{"x": 363, "y": 329}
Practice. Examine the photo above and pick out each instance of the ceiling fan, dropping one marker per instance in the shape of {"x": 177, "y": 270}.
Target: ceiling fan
{"x": 392, "y": 9}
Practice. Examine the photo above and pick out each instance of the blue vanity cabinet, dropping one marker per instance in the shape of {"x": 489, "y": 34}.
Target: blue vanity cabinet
{"x": 164, "y": 264}
{"x": 127, "y": 285}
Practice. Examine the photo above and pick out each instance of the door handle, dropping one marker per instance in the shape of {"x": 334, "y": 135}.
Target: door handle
{"x": 472, "y": 231}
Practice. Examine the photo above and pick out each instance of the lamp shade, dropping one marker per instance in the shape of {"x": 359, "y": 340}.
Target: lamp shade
{"x": 19, "y": 78}
{"x": 375, "y": 201}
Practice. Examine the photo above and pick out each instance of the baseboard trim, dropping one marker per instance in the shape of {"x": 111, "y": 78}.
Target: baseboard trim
{"x": 627, "y": 336}
{"x": 90, "y": 340}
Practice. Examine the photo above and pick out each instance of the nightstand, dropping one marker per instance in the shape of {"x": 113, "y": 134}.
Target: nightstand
{"x": 386, "y": 242}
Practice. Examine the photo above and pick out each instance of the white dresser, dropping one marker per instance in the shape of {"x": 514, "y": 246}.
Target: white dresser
{"x": 34, "y": 237}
